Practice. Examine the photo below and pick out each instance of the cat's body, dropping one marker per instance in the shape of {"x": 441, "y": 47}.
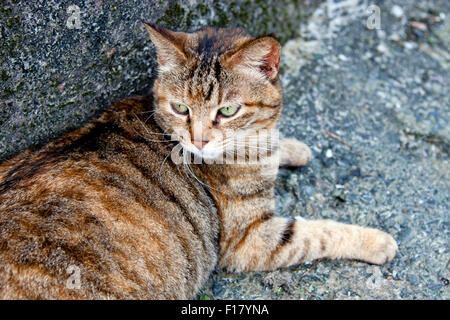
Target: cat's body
{"x": 107, "y": 212}
{"x": 100, "y": 200}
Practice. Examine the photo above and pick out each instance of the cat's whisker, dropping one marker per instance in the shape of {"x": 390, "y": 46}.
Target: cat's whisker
{"x": 162, "y": 164}
{"x": 253, "y": 146}
{"x": 176, "y": 165}
{"x": 146, "y": 129}
{"x": 147, "y": 111}
{"x": 148, "y": 118}
{"x": 147, "y": 139}
{"x": 249, "y": 146}
{"x": 192, "y": 173}
{"x": 152, "y": 133}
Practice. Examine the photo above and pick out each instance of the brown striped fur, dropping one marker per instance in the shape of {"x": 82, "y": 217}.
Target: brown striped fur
{"x": 109, "y": 199}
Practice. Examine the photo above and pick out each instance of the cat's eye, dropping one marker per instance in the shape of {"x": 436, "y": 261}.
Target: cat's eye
{"x": 180, "y": 108}
{"x": 228, "y": 111}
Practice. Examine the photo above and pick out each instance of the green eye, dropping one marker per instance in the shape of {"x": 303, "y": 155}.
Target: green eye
{"x": 228, "y": 111}
{"x": 180, "y": 108}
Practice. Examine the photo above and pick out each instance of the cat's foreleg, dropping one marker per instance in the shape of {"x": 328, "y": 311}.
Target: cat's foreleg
{"x": 294, "y": 153}
{"x": 269, "y": 242}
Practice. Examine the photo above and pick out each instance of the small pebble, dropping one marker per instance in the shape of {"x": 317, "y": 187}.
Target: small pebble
{"x": 412, "y": 279}
{"x": 309, "y": 190}
{"x": 382, "y": 48}
{"x": 410, "y": 45}
{"x": 342, "y": 57}
{"x": 397, "y": 11}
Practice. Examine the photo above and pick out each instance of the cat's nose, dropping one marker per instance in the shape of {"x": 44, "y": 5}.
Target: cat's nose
{"x": 200, "y": 144}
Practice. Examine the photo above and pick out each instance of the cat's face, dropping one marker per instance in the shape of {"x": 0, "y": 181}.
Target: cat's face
{"x": 215, "y": 87}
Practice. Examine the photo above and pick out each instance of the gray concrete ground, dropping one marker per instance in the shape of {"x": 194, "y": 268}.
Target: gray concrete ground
{"x": 374, "y": 107}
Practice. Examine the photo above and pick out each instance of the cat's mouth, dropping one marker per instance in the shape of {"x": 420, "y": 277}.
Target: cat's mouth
{"x": 204, "y": 153}
{"x": 207, "y": 152}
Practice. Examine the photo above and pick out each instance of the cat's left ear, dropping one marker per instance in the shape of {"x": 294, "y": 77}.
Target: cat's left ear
{"x": 169, "y": 45}
{"x": 261, "y": 54}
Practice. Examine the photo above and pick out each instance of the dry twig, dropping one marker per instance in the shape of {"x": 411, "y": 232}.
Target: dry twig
{"x": 332, "y": 135}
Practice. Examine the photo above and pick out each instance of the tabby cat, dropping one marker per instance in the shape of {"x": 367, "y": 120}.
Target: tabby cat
{"x": 109, "y": 212}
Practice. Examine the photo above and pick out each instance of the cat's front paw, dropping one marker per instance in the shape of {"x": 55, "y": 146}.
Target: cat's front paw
{"x": 377, "y": 247}
{"x": 294, "y": 153}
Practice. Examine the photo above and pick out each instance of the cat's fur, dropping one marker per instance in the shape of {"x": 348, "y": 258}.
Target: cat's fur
{"x": 109, "y": 203}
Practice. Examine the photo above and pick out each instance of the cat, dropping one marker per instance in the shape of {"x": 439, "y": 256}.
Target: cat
{"x": 109, "y": 212}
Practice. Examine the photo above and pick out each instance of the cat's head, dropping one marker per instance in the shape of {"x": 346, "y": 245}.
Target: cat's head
{"x": 214, "y": 84}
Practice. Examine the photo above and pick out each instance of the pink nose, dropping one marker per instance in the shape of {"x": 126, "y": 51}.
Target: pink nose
{"x": 200, "y": 144}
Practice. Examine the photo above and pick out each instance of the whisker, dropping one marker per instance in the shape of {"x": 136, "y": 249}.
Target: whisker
{"x": 145, "y": 121}
{"x": 193, "y": 174}
{"x": 251, "y": 146}
{"x": 146, "y": 129}
{"x": 152, "y": 133}
{"x": 147, "y": 139}
{"x": 178, "y": 167}
{"x": 162, "y": 164}
{"x": 147, "y": 111}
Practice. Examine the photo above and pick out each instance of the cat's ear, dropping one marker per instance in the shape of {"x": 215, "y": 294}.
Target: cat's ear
{"x": 169, "y": 45}
{"x": 261, "y": 54}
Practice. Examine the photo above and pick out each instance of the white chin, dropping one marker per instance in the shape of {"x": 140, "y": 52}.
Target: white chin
{"x": 211, "y": 155}
{"x": 205, "y": 154}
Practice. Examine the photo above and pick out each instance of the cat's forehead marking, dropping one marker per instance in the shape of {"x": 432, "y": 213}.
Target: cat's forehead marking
{"x": 206, "y": 84}
{"x": 212, "y": 42}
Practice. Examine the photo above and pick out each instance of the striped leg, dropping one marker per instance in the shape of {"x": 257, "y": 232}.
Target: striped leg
{"x": 269, "y": 242}
{"x": 252, "y": 238}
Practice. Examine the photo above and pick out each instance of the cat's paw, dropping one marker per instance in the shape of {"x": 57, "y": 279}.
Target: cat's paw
{"x": 377, "y": 247}
{"x": 294, "y": 153}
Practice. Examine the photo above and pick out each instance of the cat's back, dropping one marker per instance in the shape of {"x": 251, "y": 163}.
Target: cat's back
{"x": 104, "y": 212}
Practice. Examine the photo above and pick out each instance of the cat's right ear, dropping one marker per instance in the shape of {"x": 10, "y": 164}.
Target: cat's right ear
{"x": 169, "y": 45}
{"x": 261, "y": 54}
